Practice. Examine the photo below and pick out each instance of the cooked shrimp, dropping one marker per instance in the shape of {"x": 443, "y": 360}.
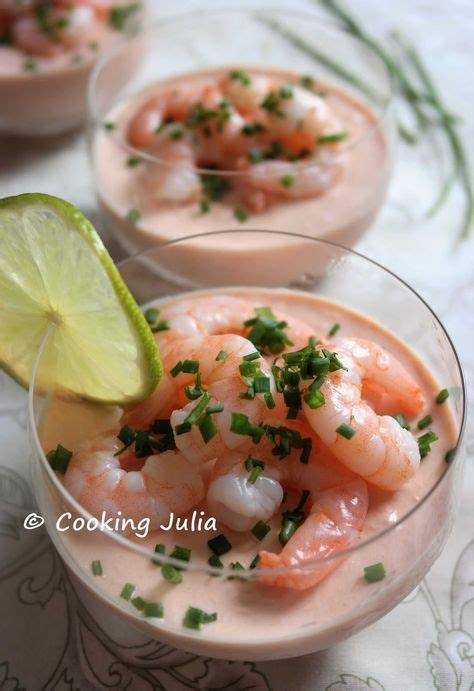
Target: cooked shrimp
{"x": 224, "y": 382}
{"x": 223, "y": 314}
{"x": 173, "y": 179}
{"x": 171, "y": 104}
{"x": 380, "y": 450}
{"x": 236, "y": 503}
{"x": 385, "y": 381}
{"x": 336, "y": 518}
{"x": 71, "y": 27}
{"x": 239, "y": 504}
{"x": 166, "y": 483}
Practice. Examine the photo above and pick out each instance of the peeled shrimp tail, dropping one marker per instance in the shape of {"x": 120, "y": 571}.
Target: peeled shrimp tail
{"x": 336, "y": 518}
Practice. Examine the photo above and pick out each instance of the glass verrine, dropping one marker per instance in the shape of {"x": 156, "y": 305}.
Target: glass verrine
{"x": 350, "y": 185}
{"x": 256, "y": 621}
{"x": 43, "y": 90}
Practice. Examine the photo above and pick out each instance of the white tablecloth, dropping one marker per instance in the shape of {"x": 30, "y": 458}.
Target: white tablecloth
{"x": 50, "y": 635}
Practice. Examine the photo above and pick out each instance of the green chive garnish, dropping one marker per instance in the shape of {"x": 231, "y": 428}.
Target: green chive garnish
{"x": 236, "y": 566}
{"x": 195, "y": 618}
{"x": 449, "y": 455}
{"x": 425, "y": 441}
{"x": 215, "y": 561}
{"x": 269, "y": 400}
{"x": 59, "y": 458}
{"x": 163, "y": 325}
{"x": 334, "y": 329}
{"x": 240, "y": 424}
{"x": 315, "y": 399}
{"x": 287, "y": 180}
{"x": 139, "y": 603}
{"x": 181, "y": 553}
{"x": 287, "y": 531}
{"x": 219, "y": 545}
{"x": 96, "y": 567}
{"x": 442, "y": 396}
{"x": 205, "y": 206}
{"x": 127, "y": 591}
{"x": 133, "y": 216}
{"x": 171, "y": 574}
{"x": 254, "y": 561}
{"x": 240, "y": 214}
{"x": 402, "y": 421}
{"x": 260, "y": 529}
{"x": 425, "y": 422}
{"x": 190, "y": 366}
{"x": 346, "y": 431}
{"x": 109, "y": 126}
{"x": 174, "y": 371}
{"x": 374, "y": 573}
{"x": 134, "y": 161}
{"x": 153, "y": 609}
{"x": 251, "y": 356}
{"x": 221, "y": 356}
{"x": 151, "y": 315}
{"x": 207, "y": 428}
{"x": 330, "y": 138}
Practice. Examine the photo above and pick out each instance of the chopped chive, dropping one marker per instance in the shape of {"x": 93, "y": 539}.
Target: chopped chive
{"x": 163, "y": 325}
{"x": 174, "y": 371}
{"x": 183, "y": 428}
{"x": 219, "y": 545}
{"x": 425, "y": 422}
{"x": 442, "y": 396}
{"x": 315, "y": 399}
{"x": 255, "y": 155}
{"x": 159, "y": 549}
{"x": 195, "y": 618}
{"x": 346, "y": 431}
{"x": 261, "y": 383}
{"x": 425, "y": 441}
{"x": 251, "y": 356}
{"x": 109, "y": 126}
{"x": 59, "y": 458}
{"x": 215, "y": 561}
{"x": 171, "y": 574}
{"x": 402, "y": 421}
{"x": 96, "y": 567}
{"x": 190, "y": 366}
{"x": 254, "y": 473}
{"x": 240, "y": 424}
{"x": 236, "y": 566}
{"x": 181, "y": 553}
{"x": 127, "y": 591}
{"x": 307, "y": 82}
{"x": 240, "y": 76}
{"x": 204, "y": 205}
{"x": 287, "y": 531}
{"x": 153, "y": 609}
{"x": 330, "y": 138}
{"x": 30, "y": 65}
{"x": 254, "y": 562}
{"x": 139, "y": 603}
{"x": 198, "y": 409}
{"x": 449, "y": 455}
{"x": 218, "y": 408}
{"x": 207, "y": 428}
{"x": 221, "y": 356}
{"x": 374, "y": 573}
{"x": 151, "y": 315}
{"x": 269, "y": 400}
{"x": 334, "y": 329}
{"x": 240, "y": 214}
{"x": 260, "y": 529}
{"x": 134, "y": 161}
{"x": 133, "y": 216}
{"x": 287, "y": 180}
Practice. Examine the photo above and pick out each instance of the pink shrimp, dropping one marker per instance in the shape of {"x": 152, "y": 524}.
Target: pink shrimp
{"x": 336, "y": 518}
{"x": 166, "y": 483}
{"x": 377, "y": 448}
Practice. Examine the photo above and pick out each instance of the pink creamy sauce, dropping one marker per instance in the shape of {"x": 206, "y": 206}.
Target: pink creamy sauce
{"x": 46, "y": 94}
{"x": 255, "y": 621}
{"x": 341, "y": 213}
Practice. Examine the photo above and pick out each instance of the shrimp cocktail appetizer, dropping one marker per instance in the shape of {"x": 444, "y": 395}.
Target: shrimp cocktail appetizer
{"x": 47, "y": 51}
{"x": 243, "y": 471}
{"x": 272, "y": 142}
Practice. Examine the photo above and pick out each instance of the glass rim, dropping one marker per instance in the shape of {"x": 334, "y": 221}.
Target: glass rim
{"x": 256, "y": 573}
{"x": 95, "y": 120}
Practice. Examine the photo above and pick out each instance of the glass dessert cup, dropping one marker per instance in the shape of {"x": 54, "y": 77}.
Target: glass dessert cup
{"x": 46, "y": 96}
{"x": 257, "y": 621}
{"x": 186, "y": 44}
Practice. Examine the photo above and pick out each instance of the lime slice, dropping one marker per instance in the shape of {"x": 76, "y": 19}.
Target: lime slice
{"x": 54, "y": 270}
